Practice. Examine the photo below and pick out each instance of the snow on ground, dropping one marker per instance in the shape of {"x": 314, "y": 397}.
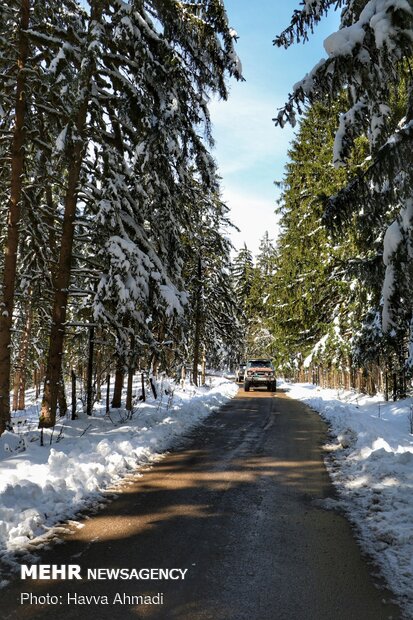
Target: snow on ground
{"x": 41, "y": 486}
{"x": 370, "y": 461}
{"x": 369, "y": 457}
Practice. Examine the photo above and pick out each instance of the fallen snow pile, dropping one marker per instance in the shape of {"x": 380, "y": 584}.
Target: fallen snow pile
{"x": 43, "y": 485}
{"x": 370, "y": 461}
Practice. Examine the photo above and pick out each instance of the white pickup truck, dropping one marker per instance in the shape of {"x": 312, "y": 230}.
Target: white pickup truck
{"x": 259, "y": 373}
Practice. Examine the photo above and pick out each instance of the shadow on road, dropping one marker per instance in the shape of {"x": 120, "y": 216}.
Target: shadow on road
{"x": 234, "y": 504}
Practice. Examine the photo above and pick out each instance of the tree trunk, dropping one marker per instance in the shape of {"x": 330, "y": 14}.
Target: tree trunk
{"x": 37, "y": 380}
{"x": 89, "y": 389}
{"x": 74, "y": 395}
{"x": 11, "y": 244}
{"x": 203, "y": 367}
{"x": 143, "y": 387}
{"x": 62, "y": 395}
{"x": 16, "y": 384}
{"x": 107, "y": 393}
{"x": 99, "y": 377}
{"x": 57, "y": 332}
{"x": 63, "y": 272}
{"x": 153, "y": 387}
{"x": 131, "y": 372}
{"x": 22, "y": 363}
{"x": 197, "y": 331}
{"x": 117, "y": 390}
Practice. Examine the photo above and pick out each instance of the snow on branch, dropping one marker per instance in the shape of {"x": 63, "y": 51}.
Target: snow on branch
{"x": 304, "y": 20}
{"x": 362, "y": 55}
{"x": 372, "y": 185}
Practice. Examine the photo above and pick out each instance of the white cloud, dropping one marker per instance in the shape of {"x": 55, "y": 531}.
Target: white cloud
{"x": 245, "y": 133}
{"x": 251, "y": 153}
{"x": 253, "y": 215}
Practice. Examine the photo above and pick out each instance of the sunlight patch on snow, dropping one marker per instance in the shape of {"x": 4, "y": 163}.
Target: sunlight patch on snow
{"x": 358, "y": 483}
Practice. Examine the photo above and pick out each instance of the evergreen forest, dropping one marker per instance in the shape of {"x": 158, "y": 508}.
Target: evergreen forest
{"x": 116, "y": 256}
{"x": 331, "y": 300}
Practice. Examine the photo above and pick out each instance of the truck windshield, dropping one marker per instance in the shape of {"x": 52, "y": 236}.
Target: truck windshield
{"x": 265, "y": 363}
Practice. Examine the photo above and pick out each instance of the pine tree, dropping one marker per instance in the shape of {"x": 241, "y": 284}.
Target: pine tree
{"x": 308, "y": 286}
{"x": 242, "y": 273}
{"x": 116, "y": 128}
{"x": 142, "y": 88}
{"x": 14, "y": 208}
{"x": 214, "y": 316}
{"x": 367, "y": 59}
{"x": 258, "y": 336}
{"x": 27, "y": 39}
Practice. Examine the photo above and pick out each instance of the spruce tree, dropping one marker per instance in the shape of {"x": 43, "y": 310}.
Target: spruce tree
{"x": 29, "y": 37}
{"x": 142, "y": 86}
{"x": 214, "y": 315}
{"x": 14, "y": 206}
{"x": 242, "y": 272}
{"x": 367, "y": 59}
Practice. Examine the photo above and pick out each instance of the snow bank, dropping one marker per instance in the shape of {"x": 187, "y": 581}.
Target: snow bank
{"x": 370, "y": 461}
{"x": 43, "y": 485}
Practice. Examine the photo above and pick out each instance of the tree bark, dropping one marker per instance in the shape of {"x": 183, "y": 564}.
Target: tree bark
{"x": 143, "y": 387}
{"x": 57, "y": 332}
{"x": 89, "y": 390}
{"x": 21, "y": 371}
{"x": 16, "y": 383}
{"x": 107, "y": 393}
{"x": 203, "y": 367}
{"x": 117, "y": 390}
{"x": 131, "y": 373}
{"x": 74, "y": 395}
{"x": 197, "y": 330}
{"x": 62, "y": 395}
{"x": 14, "y": 210}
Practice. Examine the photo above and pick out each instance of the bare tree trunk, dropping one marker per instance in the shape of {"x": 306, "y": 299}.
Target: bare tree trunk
{"x": 89, "y": 390}
{"x": 197, "y": 331}
{"x": 57, "y": 333}
{"x": 107, "y": 393}
{"x": 22, "y": 363}
{"x": 11, "y": 244}
{"x": 62, "y": 395}
{"x": 117, "y": 390}
{"x": 143, "y": 387}
{"x": 203, "y": 367}
{"x": 16, "y": 383}
{"x": 37, "y": 377}
{"x": 74, "y": 395}
{"x": 131, "y": 372}
{"x": 99, "y": 377}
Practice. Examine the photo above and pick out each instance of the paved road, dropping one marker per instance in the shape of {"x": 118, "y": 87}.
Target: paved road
{"x": 235, "y": 505}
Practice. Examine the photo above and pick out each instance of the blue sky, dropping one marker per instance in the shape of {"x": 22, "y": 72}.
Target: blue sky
{"x": 251, "y": 152}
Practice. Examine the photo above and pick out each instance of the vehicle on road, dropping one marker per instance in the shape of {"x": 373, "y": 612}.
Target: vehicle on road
{"x": 240, "y": 373}
{"x": 259, "y": 373}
